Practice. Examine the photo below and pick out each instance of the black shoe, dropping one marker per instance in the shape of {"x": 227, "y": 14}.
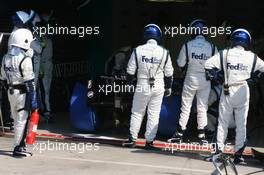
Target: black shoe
{"x": 215, "y": 158}
{"x": 176, "y": 138}
{"x": 130, "y": 143}
{"x": 238, "y": 159}
{"x": 149, "y": 146}
{"x": 21, "y": 152}
{"x": 201, "y": 137}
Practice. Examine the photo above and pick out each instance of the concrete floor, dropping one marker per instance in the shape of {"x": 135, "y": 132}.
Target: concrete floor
{"x": 102, "y": 159}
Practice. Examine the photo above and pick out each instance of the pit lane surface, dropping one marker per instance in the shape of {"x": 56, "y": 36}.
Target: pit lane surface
{"x": 52, "y": 158}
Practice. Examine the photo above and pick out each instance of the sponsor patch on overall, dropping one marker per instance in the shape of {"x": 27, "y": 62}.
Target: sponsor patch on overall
{"x": 10, "y": 69}
{"x": 152, "y": 60}
{"x": 239, "y": 66}
{"x": 199, "y": 56}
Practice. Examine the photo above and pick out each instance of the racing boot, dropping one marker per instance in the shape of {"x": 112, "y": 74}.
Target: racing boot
{"x": 130, "y": 143}
{"x": 20, "y": 151}
{"x": 238, "y": 157}
{"x": 150, "y": 146}
{"x": 177, "y": 137}
{"x": 217, "y": 156}
{"x": 201, "y": 137}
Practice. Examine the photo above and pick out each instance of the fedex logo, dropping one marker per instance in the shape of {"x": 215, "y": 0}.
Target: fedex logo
{"x": 199, "y": 57}
{"x": 238, "y": 66}
{"x": 151, "y": 60}
{"x": 9, "y": 69}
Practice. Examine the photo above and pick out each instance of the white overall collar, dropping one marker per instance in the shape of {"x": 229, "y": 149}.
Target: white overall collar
{"x": 152, "y": 41}
{"x": 201, "y": 37}
{"x": 239, "y": 47}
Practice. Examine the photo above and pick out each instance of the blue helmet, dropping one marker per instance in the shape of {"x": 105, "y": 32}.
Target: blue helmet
{"x": 240, "y": 37}
{"x": 197, "y": 27}
{"x": 21, "y": 18}
{"x": 152, "y": 31}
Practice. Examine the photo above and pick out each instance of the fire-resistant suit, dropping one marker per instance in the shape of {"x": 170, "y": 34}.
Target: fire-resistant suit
{"x": 238, "y": 65}
{"x": 148, "y": 61}
{"x": 194, "y": 54}
{"x": 17, "y": 70}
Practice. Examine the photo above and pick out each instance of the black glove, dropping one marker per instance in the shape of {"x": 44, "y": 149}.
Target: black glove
{"x": 254, "y": 79}
{"x": 214, "y": 75}
{"x": 168, "y": 82}
{"x": 167, "y": 92}
{"x": 210, "y": 74}
{"x": 220, "y": 77}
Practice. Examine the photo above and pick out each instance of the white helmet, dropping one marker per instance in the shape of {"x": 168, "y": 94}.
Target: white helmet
{"x": 21, "y": 38}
